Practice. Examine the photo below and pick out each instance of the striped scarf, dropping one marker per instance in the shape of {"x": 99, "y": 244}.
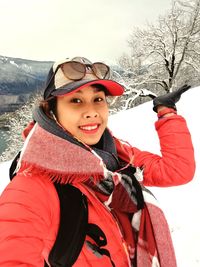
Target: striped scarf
{"x": 50, "y": 150}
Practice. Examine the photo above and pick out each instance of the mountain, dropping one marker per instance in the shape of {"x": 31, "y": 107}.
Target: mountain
{"x": 19, "y": 79}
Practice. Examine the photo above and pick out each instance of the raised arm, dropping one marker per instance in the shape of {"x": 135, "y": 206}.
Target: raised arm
{"x": 176, "y": 165}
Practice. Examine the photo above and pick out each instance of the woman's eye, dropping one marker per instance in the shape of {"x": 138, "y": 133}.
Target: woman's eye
{"x": 75, "y": 100}
{"x": 99, "y": 99}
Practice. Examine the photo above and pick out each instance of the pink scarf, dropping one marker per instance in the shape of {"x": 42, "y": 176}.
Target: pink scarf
{"x": 65, "y": 162}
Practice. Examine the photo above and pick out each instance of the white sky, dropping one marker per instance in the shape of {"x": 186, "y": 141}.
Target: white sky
{"x": 53, "y": 29}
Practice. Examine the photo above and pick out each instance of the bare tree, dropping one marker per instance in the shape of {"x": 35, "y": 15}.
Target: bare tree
{"x": 165, "y": 55}
{"x": 133, "y": 95}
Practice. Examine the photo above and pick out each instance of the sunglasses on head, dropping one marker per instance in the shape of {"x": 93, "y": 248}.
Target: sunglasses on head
{"x": 75, "y": 70}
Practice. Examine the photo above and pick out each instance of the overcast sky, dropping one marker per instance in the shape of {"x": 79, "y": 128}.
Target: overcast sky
{"x": 53, "y": 29}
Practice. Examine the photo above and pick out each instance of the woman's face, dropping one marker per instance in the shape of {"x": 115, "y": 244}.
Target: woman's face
{"x": 84, "y": 114}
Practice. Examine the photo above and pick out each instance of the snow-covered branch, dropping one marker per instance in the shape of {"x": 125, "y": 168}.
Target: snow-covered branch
{"x": 164, "y": 49}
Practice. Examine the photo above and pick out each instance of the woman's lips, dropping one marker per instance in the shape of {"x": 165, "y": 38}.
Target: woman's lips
{"x": 89, "y": 128}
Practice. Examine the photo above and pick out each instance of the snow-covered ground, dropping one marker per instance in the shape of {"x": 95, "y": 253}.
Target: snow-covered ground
{"x": 180, "y": 204}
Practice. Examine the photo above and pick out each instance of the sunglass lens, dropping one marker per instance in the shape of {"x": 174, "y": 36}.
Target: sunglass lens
{"x": 101, "y": 70}
{"x": 73, "y": 70}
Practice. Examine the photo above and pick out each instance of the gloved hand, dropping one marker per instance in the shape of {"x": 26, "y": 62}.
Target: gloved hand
{"x": 169, "y": 99}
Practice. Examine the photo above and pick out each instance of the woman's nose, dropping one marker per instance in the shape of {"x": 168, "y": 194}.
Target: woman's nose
{"x": 91, "y": 113}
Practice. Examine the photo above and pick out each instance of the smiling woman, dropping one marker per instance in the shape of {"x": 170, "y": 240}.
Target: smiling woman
{"x": 88, "y": 111}
{"x": 79, "y": 190}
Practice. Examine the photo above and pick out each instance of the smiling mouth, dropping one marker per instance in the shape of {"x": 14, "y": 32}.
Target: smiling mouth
{"x": 90, "y": 128}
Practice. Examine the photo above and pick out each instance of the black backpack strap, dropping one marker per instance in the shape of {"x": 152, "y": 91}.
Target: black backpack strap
{"x": 73, "y": 225}
{"x": 73, "y": 229}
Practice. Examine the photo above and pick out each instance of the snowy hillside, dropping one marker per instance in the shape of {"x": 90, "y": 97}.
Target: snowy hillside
{"x": 180, "y": 204}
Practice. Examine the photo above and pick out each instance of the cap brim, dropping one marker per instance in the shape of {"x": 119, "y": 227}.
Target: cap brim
{"x": 113, "y": 88}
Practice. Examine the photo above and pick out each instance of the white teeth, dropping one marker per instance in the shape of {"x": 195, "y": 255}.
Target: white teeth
{"x": 89, "y": 128}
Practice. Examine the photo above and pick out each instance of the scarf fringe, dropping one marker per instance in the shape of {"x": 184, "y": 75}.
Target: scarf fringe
{"x": 55, "y": 176}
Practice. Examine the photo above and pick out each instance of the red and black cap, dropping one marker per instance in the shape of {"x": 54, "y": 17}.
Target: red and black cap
{"x": 58, "y": 83}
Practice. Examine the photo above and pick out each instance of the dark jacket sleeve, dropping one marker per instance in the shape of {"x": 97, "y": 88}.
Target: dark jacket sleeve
{"x": 175, "y": 165}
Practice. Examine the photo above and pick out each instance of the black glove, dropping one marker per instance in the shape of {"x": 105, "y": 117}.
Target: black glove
{"x": 169, "y": 99}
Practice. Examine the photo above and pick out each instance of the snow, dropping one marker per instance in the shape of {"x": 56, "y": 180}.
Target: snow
{"x": 180, "y": 204}
{"x": 13, "y": 63}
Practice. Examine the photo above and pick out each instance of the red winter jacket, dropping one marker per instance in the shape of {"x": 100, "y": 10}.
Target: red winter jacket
{"x": 29, "y": 206}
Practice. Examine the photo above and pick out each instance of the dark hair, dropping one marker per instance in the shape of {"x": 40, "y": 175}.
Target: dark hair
{"x": 100, "y": 87}
{"x": 49, "y": 105}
